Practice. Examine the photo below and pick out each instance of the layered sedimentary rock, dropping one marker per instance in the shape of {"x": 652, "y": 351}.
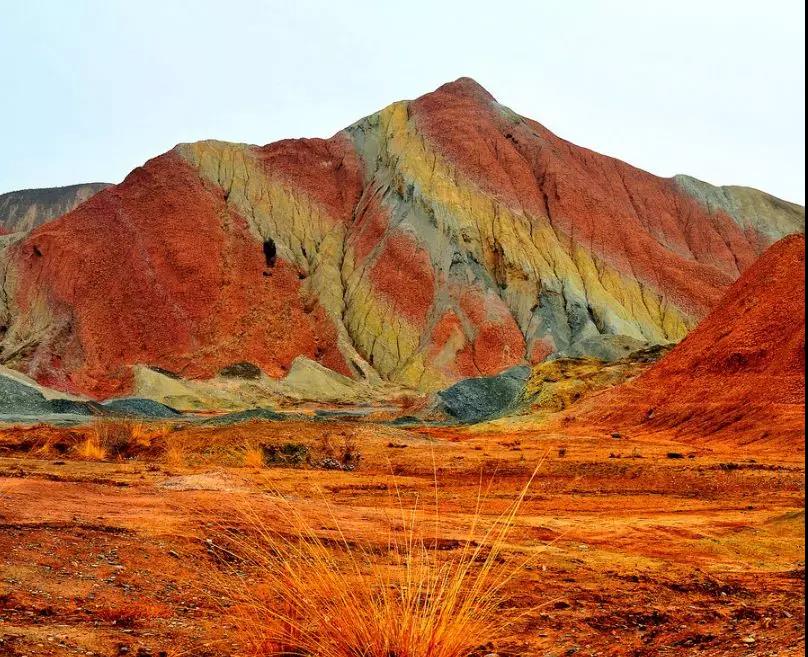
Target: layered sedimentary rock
{"x": 439, "y": 239}
{"x": 28, "y": 208}
{"x": 740, "y": 376}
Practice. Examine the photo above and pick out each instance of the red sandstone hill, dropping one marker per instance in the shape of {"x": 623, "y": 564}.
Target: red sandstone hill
{"x": 738, "y": 377}
{"x": 437, "y": 239}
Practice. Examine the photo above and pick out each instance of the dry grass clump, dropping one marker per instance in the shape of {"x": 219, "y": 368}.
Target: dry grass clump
{"x": 339, "y": 452}
{"x": 90, "y": 449}
{"x": 253, "y": 457}
{"x": 117, "y": 439}
{"x": 127, "y": 613}
{"x": 314, "y": 592}
{"x": 175, "y": 455}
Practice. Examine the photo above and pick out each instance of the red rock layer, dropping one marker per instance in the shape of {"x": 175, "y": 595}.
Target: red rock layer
{"x": 159, "y": 271}
{"x": 739, "y": 376}
{"x": 327, "y": 171}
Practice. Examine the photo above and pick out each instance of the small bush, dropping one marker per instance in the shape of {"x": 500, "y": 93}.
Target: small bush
{"x": 338, "y": 453}
{"x": 129, "y": 614}
{"x": 295, "y": 454}
{"x": 174, "y": 456}
{"x": 117, "y": 439}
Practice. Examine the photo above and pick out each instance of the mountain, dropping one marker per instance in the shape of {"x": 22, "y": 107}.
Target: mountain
{"x": 739, "y": 376}
{"x": 438, "y": 239}
{"x": 29, "y": 208}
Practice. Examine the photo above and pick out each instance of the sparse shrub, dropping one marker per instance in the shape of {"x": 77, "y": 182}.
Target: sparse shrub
{"x": 351, "y": 456}
{"x": 129, "y": 614}
{"x": 562, "y": 452}
{"x": 408, "y": 402}
{"x": 174, "y": 456}
{"x": 118, "y": 439}
{"x": 338, "y": 452}
{"x": 295, "y": 454}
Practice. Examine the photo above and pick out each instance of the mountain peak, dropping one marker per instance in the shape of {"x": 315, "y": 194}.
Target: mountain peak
{"x": 466, "y": 87}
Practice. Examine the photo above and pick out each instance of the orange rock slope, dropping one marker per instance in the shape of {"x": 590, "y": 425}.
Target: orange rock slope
{"x": 437, "y": 239}
{"x": 740, "y": 376}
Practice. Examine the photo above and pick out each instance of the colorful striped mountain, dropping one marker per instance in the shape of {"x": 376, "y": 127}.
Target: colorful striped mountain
{"x": 438, "y": 239}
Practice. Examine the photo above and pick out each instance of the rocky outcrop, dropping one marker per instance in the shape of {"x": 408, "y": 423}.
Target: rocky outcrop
{"x": 28, "y": 208}
{"x": 483, "y": 398}
{"x": 740, "y": 376}
{"x": 306, "y": 381}
{"x": 437, "y": 240}
{"x": 557, "y": 384}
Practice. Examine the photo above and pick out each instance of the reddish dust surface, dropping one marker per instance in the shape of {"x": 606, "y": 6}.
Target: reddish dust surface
{"x": 738, "y": 378}
{"x": 635, "y": 551}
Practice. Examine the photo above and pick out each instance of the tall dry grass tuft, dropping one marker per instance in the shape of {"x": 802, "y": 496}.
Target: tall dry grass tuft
{"x": 118, "y": 439}
{"x": 90, "y": 449}
{"x": 253, "y": 457}
{"x": 325, "y": 595}
{"x": 175, "y": 455}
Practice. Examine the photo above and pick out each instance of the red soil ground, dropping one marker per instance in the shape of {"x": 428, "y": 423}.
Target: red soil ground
{"x": 634, "y": 554}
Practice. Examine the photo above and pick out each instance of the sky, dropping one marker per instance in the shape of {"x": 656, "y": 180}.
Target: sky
{"x": 92, "y": 89}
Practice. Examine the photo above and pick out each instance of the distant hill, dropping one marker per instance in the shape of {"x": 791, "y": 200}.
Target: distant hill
{"x": 26, "y": 209}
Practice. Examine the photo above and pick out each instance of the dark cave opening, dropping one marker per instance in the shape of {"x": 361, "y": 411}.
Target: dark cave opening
{"x": 270, "y": 252}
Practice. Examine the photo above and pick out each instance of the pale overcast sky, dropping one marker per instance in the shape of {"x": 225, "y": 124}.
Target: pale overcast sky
{"x": 91, "y": 89}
